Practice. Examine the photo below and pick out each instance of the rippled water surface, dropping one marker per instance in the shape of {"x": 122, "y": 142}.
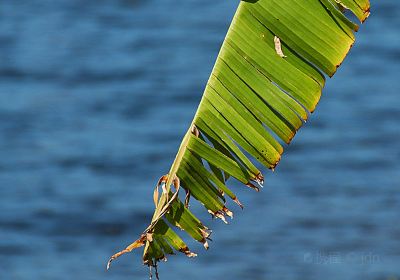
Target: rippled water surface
{"x": 94, "y": 99}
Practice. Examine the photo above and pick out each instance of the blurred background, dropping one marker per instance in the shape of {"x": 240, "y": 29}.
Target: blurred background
{"x": 95, "y": 97}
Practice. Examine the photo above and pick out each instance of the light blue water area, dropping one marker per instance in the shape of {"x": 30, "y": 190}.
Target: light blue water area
{"x": 94, "y": 99}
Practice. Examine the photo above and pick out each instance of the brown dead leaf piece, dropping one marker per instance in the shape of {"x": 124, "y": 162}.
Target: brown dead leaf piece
{"x": 218, "y": 214}
{"x": 278, "y": 47}
{"x": 188, "y": 253}
{"x": 206, "y": 234}
{"x": 138, "y": 243}
{"x": 195, "y": 131}
{"x": 163, "y": 179}
{"x": 149, "y": 237}
{"x": 238, "y": 202}
{"x": 187, "y": 198}
{"x": 167, "y": 204}
{"x": 176, "y": 182}
{"x": 228, "y": 212}
{"x": 155, "y": 196}
{"x": 250, "y": 185}
{"x": 260, "y": 178}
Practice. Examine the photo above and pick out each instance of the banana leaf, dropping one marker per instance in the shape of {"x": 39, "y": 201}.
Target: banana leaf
{"x": 266, "y": 81}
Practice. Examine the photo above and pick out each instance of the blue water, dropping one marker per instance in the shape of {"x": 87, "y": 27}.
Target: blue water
{"x": 94, "y": 99}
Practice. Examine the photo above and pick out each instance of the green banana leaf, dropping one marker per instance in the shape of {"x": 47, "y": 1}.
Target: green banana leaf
{"x": 267, "y": 79}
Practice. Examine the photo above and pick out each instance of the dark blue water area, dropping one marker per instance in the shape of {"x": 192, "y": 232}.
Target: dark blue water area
{"x": 95, "y": 97}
